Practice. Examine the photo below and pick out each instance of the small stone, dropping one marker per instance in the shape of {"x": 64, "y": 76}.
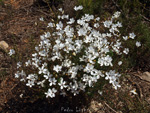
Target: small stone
{"x": 3, "y": 45}
{"x": 146, "y": 76}
{"x": 95, "y": 106}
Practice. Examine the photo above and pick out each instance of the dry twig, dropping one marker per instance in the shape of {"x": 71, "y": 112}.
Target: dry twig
{"x": 135, "y": 74}
{"x": 117, "y": 6}
{"x": 145, "y": 18}
{"x": 110, "y": 107}
{"x": 137, "y": 86}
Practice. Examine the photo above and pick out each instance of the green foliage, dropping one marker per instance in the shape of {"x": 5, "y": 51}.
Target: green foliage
{"x": 132, "y": 20}
{"x": 132, "y": 13}
{"x": 54, "y": 2}
{"x": 97, "y": 87}
{"x": 1, "y": 2}
{"x": 91, "y": 6}
{"x": 128, "y": 7}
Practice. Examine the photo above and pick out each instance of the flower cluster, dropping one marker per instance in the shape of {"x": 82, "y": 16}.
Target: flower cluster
{"x": 70, "y": 56}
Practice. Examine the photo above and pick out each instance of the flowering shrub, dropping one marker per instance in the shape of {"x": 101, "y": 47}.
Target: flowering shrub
{"x": 73, "y": 53}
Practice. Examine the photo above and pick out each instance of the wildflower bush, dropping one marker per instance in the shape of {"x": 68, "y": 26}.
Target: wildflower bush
{"x": 74, "y": 53}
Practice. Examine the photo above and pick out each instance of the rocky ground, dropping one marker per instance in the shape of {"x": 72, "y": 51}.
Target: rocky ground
{"x": 19, "y": 28}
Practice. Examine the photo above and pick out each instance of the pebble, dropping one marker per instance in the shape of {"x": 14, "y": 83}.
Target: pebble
{"x": 146, "y": 76}
{"x": 3, "y": 45}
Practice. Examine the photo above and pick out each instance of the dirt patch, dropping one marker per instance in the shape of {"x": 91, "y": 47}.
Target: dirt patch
{"x": 18, "y": 4}
{"x": 16, "y": 97}
{"x": 132, "y": 97}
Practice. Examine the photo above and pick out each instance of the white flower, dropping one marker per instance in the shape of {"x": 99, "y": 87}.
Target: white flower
{"x": 88, "y": 39}
{"x": 34, "y": 55}
{"x": 63, "y": 93}
{"x": 119, "y": 63}
{"x": 125, "y": 37}
{"x": 100, "y": 92}
{"x": 90, "y": 83}
{"x": 51, "y": 93}
{"x": 47, "y": 75}
{"x": 138, "y": 44}
{"x": 57, "y": 68}
{"x": 62, "y": 84}
{"x": 119, "y": 24}
{"x": 59, "y": 26}
{"x": 43, "y": 53}
{"x": 21, "y": 95}
{"x": 11, "y": 52}
{"x": 96, "y": 25}
{"x": 42, "y": 70}
{"x": 41, "y": 19}
{"x": 109, "y": 34}
{"x": 47, "y": 35}
{"x": 116, "y": 14}
{"x": 67, "y": 63}
{"x": 69, "y": 31}
{"x": 80, "y": 22}
{"x": 106, "y": 61}
{"x": 22, "y": 75}
{"x": 88, "y": 68}
{"x": 28, "y": 63}
{"x": 75, "y": 92}
{"x": 133, "y": 91}
{"x": 60, "y": 9}
{"x": 94, "y": 72}
{"x": 126, "y": 50}
{"x": 75, "y": 86}
{"x": 71, "y": 21}
{"x": 17, "y": 74}
{"x": 41, "y": 83}
{"x": 80, "y": 7}
{"x": 64, "y": 16}
{"x": 82, "y": 32}
{"x": 50, "y": 25}
{"x": 82, "y": 86}
{"x": 112, "y": 76}
{"x": 30, "y": 83}
{"x": 87, "y": 17}
{"x": 132, "y": 35}
{"x": 52, "y": 81}
{"x": 107, "y": 24}
{"x": 97, "y": 19}
{"x": 32, "y": 77}
{"x": 116, "y": 85}
{"x": 59, "y": 17}
{"x": 18, "y": 64}
{"x": 73, "y": 71}
{"x": 37, "y": 48}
